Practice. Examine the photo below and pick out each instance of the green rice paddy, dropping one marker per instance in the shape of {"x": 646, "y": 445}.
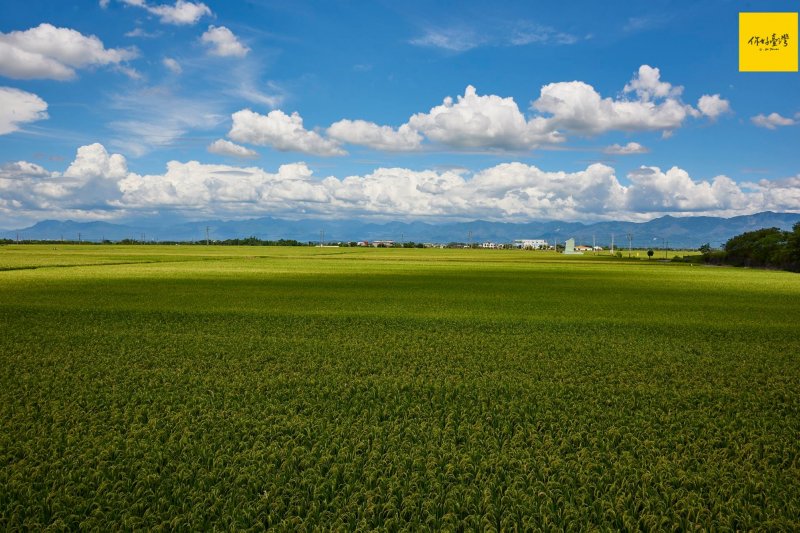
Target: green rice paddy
{"x": 193, "y": 387}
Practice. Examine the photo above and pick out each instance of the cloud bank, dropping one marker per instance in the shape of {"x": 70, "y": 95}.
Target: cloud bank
{"x": 493, "y": 123}
{"x": 100, "y": 182}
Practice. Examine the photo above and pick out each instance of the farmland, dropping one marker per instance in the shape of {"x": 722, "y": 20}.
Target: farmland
{"x": 241, "y": 388}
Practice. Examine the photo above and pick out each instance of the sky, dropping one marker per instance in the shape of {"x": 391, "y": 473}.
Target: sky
{"x": 165, "y": 110}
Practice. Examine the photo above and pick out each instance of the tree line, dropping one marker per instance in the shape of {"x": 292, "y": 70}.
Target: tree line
{"x": 765, "y": 248}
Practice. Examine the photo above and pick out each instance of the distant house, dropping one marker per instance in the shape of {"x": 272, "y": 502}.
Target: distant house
{"x": 362, "y": 243}
{"x": 582, "y": 248}
{"x": 530, "y": 244}
{"x": 490, "y": 245}
{"x": 382, "y": 244}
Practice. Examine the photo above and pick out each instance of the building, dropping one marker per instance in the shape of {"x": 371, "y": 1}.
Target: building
{"x": 490, "y": 245}
{"x": 569, "y": 248}
{"x": 531, "y": 244}
{"x": 382, "y": 244}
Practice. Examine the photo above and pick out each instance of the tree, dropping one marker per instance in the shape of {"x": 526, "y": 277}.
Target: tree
{"x": 763, "y": 247}
{"x": 650, "y": 253}
{"x": 705, "y": 248}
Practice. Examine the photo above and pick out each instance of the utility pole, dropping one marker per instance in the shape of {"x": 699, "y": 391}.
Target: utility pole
{"x": 207, "y": 239}
{"x": 17, "y": 237}
{"x": 469, "y": 238}
{"x": 321, "y": 237}
{"x": 594, "y": 244}
{"x": 612, "y": 244}
{"x": 630, "y": 240}
{"x": 666, "y": 243}
{"x": 79, "y": 238}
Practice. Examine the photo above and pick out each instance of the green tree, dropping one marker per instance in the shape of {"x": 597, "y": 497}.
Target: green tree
{"x": 763, "y": 247}
{"x": 650, "y": 253}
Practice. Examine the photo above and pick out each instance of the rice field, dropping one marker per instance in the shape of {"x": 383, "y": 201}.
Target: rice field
{"x": 193, "y": 387}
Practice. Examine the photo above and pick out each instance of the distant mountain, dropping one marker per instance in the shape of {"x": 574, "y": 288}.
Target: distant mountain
{"x": 676, "y": 232}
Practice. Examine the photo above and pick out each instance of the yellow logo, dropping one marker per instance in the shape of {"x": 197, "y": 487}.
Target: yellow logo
{"x": 768, "y": 42}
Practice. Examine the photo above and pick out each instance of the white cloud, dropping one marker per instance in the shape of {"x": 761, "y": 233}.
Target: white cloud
{"x": 139, "y": 32}
{"x": 577, "y": 107}
{"x": 104, "y": 3}
{"x": 93, "y": 161}
{"x": 648, "y": 86}
{"x": 195, "y": 185}
{"x": 452, "y": 39}
{"x": 19, "y": 107}
{"x": 227, "y": 148}
{"x": 491, "y": 122}
{"x": 182, "y": 13}
{"x": 98, "y": 182}
{"x": 132, "y": 73}
{"x": 779, "y": 195}
{"x": 713, "y": 106}
{"x": 280, "y": 131}
{"x": 476, "y": 121}
{"x": 223, "y": 42}
{"x": 154, "y": 117}
{"x": 628, "y": 149}
{"x": 91, "y": 182}
{"x": 461, "y": 37}
{"x": 525, "y": 33}
{"x": 772, "y": 121}
{"x": 674, "y": 191}
{"x": 172, "y": 65}
{"x": 369, "y": 134}
{"x": 48, "y": 52}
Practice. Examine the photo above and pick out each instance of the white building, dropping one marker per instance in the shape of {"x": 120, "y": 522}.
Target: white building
{"x": 489, "y": 245}
{"x": 531, "y": 244}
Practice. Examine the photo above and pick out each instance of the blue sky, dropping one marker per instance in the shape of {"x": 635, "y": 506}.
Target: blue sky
{"x": 121, "y": 110}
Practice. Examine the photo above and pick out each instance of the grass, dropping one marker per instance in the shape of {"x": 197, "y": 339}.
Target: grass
{"x": 193, "y": 387}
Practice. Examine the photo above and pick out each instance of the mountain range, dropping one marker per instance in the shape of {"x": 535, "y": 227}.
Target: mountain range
{"x": 673, "y": 232}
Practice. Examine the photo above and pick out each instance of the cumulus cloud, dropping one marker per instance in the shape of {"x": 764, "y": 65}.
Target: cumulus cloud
{"x": 476, "y": 121}
{"x": 491, "y": 122}
{"x": 90, "y": 183}
{"x": 223, "y": 42}
{"x": 48, "y": 52}
{"x": 280, "y": 131}
{"x": 713, "y": 105}
{"x": 172, "y": 65}
{"x": 576, "y": 106}
{"x": 227, "y": 148}
{"x": 197, "y": 185}
{"x": 97, "y": 181}
{"x": 674, "y": 191}
{"x": 509, "y": 191}
{"x": 628, "y": 149}
{"x": 181, "y": 13}
{"x": 772, "y": 121}
{"x": 369, "y": 134}
{"x": 19, "y": 107}
{"x": 94, "y": 161}
{"x": 648, "y": 86}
